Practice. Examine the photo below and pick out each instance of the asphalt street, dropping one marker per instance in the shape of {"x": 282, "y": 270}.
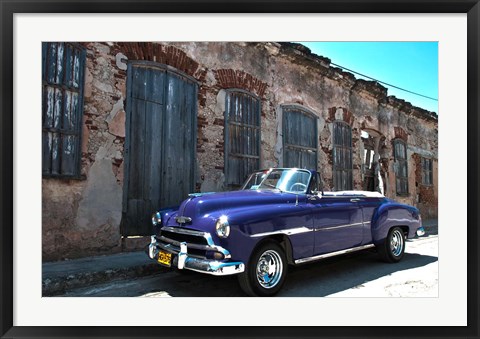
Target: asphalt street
{"x": 359, "y": 274}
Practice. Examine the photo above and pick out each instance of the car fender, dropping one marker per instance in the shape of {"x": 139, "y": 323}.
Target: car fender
{"x": 393, "y": 214}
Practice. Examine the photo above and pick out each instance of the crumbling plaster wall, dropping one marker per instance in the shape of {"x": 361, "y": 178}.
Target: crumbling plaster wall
{"x": 82, "y": 217}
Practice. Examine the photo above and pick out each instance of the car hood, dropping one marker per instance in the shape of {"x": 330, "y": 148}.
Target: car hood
{"x": 217, "y": 204}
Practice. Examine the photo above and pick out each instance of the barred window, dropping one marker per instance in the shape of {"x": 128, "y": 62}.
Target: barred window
{"x": 400, "y": 154}
{"x": 342, "y": 156}
{"x": 63, "y": 67}
{"x": 242, "y": 136}
{"x": 427, "y": 171}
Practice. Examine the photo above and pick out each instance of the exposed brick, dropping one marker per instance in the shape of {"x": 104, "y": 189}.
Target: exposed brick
{"x": 401, "y": 134}
{"x": 169, "y": 55}
{"x": 219, "y": 122}
{"x": 229, "y": 78}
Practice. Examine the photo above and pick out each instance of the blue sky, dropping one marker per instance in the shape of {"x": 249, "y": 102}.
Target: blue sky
{"x": 409, "y": 65}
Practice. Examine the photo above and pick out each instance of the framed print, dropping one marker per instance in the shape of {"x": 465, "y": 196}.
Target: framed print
{"x": 119, "y": 46}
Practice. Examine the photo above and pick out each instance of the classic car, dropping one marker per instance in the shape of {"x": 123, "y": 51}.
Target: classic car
{"x": 281, "y": 217}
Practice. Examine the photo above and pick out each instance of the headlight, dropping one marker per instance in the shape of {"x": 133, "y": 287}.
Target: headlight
{"x": 222, "y": 227}
{"x": 156, "y": 219}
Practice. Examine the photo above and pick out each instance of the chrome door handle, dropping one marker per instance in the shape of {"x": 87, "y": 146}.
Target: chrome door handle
{"x": 355, "y": 200}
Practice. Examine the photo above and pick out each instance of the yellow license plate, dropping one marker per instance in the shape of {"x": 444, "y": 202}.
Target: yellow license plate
{"x": 165, "y": 258}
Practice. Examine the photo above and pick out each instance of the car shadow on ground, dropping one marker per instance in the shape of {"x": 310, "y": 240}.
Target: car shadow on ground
{"x": 338, "y": 274}
{"x": 317, "y": 279}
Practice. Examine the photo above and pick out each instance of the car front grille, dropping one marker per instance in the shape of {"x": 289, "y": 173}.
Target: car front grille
{"x": 197, "y": 243}
{"x": 182, "y": 237}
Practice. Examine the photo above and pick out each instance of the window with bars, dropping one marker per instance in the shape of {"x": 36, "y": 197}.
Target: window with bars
{"x": 63, "y": 66}
{"x": 400, "y": 154}
{"x": 427, "y": 171}
{"x": 342, "y": 156}
{"x": 242, "y": 136}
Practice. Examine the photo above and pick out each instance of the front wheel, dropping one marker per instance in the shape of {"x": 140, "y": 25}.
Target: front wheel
{"x": 393, "y": 248}
{"x": 265, "y": 273}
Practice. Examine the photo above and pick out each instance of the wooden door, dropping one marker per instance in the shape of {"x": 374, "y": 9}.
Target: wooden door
{"x": 160, "y": 143}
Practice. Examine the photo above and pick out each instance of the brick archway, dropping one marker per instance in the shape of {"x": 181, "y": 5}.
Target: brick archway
{"x": 229, "y": 78}
{"x": 167, "y": 55}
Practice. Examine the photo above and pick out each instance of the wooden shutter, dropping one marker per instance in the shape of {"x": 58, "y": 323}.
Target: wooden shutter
{"x": 342, "y": 156}
{"x": 299, "y": 138}
{"x": 63, "y": 66}
{"x": 427, "y": 171}
{"x": 400, "y": 153}
{"x": 242, "y": 134}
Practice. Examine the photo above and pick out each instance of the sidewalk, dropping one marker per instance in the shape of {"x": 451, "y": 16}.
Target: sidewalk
{"x": 61, "y": 276}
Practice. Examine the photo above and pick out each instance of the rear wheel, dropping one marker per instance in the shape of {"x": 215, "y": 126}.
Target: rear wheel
{"x": 265, "y": 273}
{"x": 393, "y": 248}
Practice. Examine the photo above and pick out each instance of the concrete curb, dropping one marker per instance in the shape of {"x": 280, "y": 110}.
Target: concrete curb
{"x": 60, "y": 277}
{"x": 60, "y": 285}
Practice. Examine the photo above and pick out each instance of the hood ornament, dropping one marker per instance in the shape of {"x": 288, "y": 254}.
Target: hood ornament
{"x": 181, "y": 220}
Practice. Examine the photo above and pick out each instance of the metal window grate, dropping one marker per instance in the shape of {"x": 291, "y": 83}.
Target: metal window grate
{"x": 242, "y": 136}
{"x": 63, "y": 67}
{"x": 342, "y": 156}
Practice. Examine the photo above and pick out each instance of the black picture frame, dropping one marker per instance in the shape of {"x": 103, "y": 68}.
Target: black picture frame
{"x": 10, "y": 7}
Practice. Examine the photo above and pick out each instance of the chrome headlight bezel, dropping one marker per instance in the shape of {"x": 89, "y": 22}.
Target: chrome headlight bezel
{"x": 156, "y": 219}
{"x": 222, "y": 227}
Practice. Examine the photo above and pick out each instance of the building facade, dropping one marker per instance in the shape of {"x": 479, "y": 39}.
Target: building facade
{"x": 129, "y": 128}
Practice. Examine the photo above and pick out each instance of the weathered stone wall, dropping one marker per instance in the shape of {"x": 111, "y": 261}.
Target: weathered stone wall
{"x": 82, "y": 217}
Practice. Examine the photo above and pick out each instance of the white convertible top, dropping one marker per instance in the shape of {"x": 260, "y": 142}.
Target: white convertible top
{"x": 366, "y": 194}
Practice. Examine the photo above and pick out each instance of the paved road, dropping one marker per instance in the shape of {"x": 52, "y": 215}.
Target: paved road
{"x": 359, "y": 274}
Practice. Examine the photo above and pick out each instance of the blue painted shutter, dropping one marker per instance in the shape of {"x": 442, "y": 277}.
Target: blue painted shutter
{"x": 63, "y": 66}
{"x": 242, "y": 134}
{"x": 342, "y": 156}
{"x": 299, "y": 139}
{"x": 400, "y": 153}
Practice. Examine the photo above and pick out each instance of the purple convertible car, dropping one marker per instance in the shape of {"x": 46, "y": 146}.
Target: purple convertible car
{"x": 281, "y": 217}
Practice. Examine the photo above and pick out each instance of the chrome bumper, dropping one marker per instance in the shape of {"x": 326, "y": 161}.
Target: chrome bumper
{"x": 183, "y": 261}
{"x": 420, "y": 231}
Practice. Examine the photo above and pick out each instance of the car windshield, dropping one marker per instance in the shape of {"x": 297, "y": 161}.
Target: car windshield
{"x": 286, "y": 180}
{"x": 254, "y": 180}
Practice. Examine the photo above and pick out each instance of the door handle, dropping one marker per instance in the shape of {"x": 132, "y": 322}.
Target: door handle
{"x": 355, "y": 200}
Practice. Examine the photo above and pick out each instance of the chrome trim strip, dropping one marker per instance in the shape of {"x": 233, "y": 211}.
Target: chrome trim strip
{"x": 289, "y": 231}
{"x": 341, "y": 226}
{"x": 332, "y": 254}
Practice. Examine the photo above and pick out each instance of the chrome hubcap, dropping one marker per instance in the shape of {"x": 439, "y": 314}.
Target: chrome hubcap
{"x": 269, "y": 269}
{"x": 396, "y": 243}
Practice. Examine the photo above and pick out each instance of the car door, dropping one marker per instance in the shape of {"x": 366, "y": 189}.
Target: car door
{"x": 338, "y": 222}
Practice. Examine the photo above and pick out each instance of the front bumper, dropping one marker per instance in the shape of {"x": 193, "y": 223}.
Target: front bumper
{"x": 182, "y": 260}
